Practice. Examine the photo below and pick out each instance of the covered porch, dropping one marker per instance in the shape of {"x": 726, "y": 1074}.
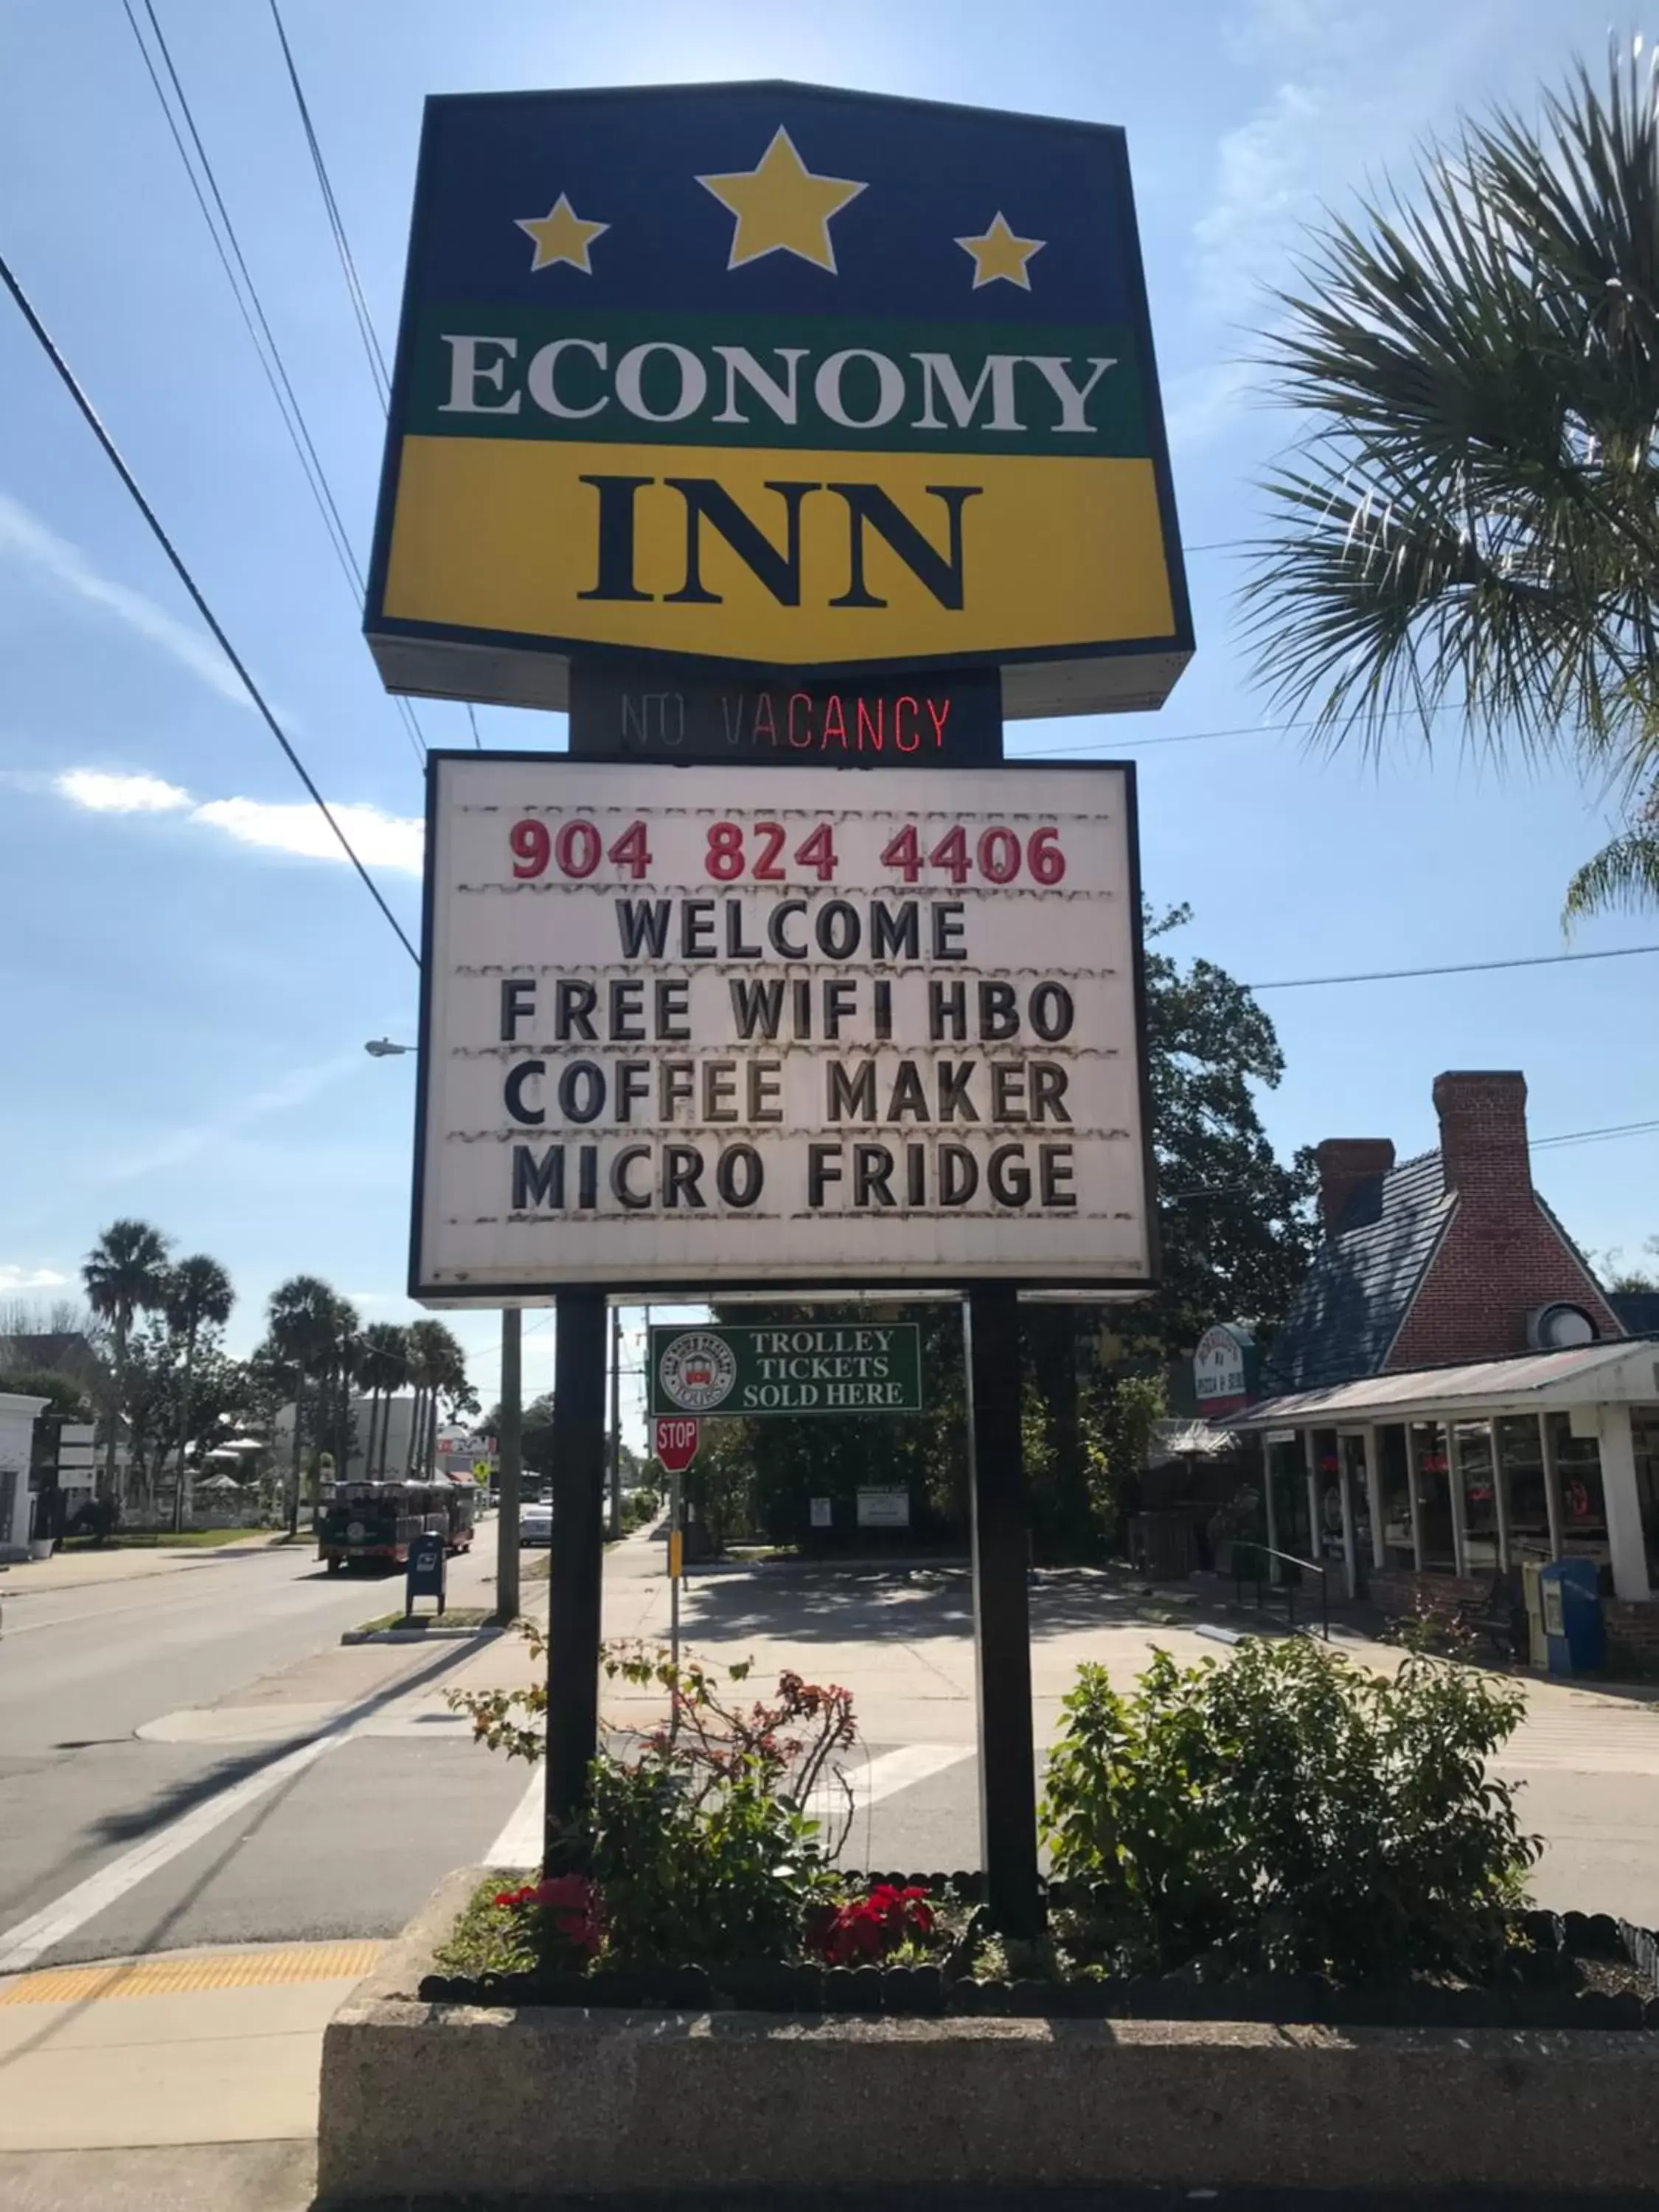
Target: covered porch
{"x": 1471, "y": 1471}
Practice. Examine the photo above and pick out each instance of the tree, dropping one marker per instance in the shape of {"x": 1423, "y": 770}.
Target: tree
{"x": 199, "y": 1296}
{"x": 1621, "y": 1279}
{"x": 301, "y": 1322}
{"x": 124, "y": 1273}
{"x": 382, "y": 1371}
{"x": 1472, "y": 520}
{"x": 66, "y": 1398}
{"x": 437, "y": 1367}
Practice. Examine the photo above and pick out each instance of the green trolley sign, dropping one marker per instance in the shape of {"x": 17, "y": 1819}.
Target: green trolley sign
{"x": 788, "y": 1367}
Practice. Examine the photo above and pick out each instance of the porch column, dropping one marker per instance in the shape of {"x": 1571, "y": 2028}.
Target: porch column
{"x": 1630, "y": 1559}
{"x": 1552, "y": 1483}
{"x": 1272, "y": 1508}
{"x": 1416, "y": 1503}
{"x": 1374, "y": 1496}
{"x": 1350, "y": 1548}
{"x": 1316, "y": 1525}
{"x": 1500, "y": 1493}
{"x": 1459, "y": 1502}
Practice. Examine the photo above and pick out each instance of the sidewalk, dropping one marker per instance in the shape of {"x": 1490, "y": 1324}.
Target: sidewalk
{"x": 68, "y": 1571}
{"x": 181, "y": 2080}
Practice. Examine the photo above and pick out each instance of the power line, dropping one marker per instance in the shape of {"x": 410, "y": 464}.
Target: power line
{"x": 1240, "y": 730}
{"x": 1596, "y": 1136}
{"x": 239, "y": 277}
{"x": 1457, "y": 968}
{"x": 71, "y": 385}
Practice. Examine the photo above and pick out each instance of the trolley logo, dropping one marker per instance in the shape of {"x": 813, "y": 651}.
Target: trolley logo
{"x": 697, "y": 1371}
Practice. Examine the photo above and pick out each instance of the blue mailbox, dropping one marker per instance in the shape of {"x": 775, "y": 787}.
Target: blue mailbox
{"x": 1571, "y": 1593}
{"x": 424, "y": 1574}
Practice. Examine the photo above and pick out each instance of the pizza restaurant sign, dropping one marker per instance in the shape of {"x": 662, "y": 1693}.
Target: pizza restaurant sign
{"x": 1225, "y": 1370}
{"x": 775, "y": 375}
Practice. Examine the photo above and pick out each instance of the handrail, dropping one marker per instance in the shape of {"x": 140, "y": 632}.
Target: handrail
{"x": 1319, "y": 1567}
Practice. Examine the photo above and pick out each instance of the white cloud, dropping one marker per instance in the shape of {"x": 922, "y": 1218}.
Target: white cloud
{"x": 27, "y": 540}
{"x": 172, "y": 1149}
{"x": 380, "y": 840}
{"x": 16, "y": 1278}
{"x": 121, "y": 795}
{"x": 1260, "y": 188}
{"x": 384, "y": 840}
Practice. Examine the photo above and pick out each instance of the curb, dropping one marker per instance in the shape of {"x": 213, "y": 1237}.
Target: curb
{"x": 483, "y": 1628}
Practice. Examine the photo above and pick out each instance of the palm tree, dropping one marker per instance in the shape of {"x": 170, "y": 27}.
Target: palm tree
{"x": 124, "y": 1273}
{"x": 382, "y": 1371}
{"x": 1471, "y": 519}
{"x": 301, "y": 1328}
{"x": 437, "y": 1367}
{"x": 199, "y": 1295}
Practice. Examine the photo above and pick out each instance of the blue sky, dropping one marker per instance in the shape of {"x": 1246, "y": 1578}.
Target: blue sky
{"x": 188, "y": 977}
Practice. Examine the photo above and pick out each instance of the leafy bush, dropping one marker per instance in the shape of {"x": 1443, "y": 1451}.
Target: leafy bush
{"x": 865, "y": 1930}
{"x": 700, "y": 1845}
{"x": 1286, "y": 1811}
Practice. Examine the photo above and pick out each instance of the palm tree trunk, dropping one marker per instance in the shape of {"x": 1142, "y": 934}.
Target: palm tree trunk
{"x": 294, "y": 1464}
{"x": 111, "y": 1437}
{"x": 412, "y": 1450}
{"x": 184, "y": 1427}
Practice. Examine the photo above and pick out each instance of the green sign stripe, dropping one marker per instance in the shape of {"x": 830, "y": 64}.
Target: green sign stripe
{"x": 720, "y": 1373}
{"x": 1018, "y": 389}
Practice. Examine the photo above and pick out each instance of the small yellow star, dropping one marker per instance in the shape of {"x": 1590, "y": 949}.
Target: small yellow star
{"x": 999, "y": 253}
{"x": 560, "y": 235}
{"x": 781, "y": 207}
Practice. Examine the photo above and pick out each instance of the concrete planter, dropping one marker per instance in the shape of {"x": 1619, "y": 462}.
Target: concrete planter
{"x": 429, "y": 2100}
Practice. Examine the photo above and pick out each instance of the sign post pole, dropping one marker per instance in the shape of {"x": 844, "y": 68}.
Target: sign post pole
{"x": 1002, "y": 1628}
{"x": 675, "y": 1440}
{"x": 509, "y": 1446}
{"x": 576, "y": 1559}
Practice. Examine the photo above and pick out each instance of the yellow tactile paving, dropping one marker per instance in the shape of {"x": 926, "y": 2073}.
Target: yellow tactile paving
{"x": 198, "y": 1970}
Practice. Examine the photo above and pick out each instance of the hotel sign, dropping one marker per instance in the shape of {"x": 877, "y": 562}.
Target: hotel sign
{"x": 774, "y": 377}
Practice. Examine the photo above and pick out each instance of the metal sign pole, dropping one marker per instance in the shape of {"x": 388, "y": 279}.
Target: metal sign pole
{"x": 576, "y": 1560}
{"x": 676, "y": 1564}
{"x": 1002, "y": 1627}
{"x": 509, "y": 1463}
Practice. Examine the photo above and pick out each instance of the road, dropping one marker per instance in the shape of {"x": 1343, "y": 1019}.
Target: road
{"x": 195, "y": 1760}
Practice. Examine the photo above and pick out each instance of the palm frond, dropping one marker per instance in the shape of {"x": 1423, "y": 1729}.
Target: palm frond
{"x": 1624, "y": 874}
{"x": 1471, "y": 516}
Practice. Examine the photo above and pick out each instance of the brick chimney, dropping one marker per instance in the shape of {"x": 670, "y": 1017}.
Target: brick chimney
{"x": 1483, "y": 1136}
{"x": 1344, "y": 1163}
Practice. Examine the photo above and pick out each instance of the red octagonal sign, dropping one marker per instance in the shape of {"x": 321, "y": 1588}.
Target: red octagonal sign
{"x": 675, "y": 1439}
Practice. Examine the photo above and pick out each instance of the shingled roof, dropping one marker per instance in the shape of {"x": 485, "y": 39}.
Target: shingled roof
{"x": 1363, "y": 1278}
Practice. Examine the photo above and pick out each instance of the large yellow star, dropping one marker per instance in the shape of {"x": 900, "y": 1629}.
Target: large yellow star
{"x": 781, "y": 207}
{"x": 998, "y": 253}
{"x": 560, "y": 235}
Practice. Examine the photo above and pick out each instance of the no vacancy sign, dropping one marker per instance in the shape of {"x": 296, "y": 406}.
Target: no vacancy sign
{"x": 688, "y": 1030}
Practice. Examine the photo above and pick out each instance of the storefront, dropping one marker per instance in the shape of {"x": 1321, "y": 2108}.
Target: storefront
{"x": 1472, "y": 1471}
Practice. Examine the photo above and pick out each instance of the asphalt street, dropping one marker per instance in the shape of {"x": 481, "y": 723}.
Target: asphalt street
{"x": 194, "y": 1759}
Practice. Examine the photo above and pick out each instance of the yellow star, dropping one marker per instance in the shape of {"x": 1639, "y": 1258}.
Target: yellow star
{"x": 781, "y": 207}
{"x": 999, "y": 253}
{"x": 560, "y": 235}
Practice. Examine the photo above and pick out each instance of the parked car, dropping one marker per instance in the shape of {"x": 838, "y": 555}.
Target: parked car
{"x": 535, "y": 1524}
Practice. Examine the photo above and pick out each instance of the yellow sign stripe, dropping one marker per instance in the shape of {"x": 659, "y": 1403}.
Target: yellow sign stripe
{"x": 503, "y": 534}
{"x": 186, "y": 1972}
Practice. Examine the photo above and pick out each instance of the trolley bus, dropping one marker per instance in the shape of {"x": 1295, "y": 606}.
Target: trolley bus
{"x": 359, "y": 1522}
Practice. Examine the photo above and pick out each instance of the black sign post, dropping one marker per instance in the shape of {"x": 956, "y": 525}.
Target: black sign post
{"x": 575, "y": 1562}
{"x": 1002, "y": 1624}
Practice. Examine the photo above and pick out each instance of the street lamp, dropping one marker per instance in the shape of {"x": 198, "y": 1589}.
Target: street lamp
{"x": 508, "y": 1445}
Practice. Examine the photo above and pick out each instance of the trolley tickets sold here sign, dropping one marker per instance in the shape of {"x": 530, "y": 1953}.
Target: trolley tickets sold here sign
{"x": 691, "y": 1029}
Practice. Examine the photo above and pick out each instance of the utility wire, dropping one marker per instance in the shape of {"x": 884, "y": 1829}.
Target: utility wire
{"x": 1239, "y": 730}
{"x": 239, "y": 277}
{"x": 94, "y": 423}
{"x": 1458, "y": 967}
{"x": 376, "y": 368}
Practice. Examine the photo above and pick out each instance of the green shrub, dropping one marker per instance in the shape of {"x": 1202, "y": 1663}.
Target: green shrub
{"x": 1288, "y": 1812}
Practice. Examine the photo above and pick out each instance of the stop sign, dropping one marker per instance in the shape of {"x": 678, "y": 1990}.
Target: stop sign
{"x": 674, "y": 1440}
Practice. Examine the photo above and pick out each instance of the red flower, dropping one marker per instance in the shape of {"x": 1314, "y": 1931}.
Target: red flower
{"x": 868, "y": 1928}
{"x": 573, "y": 1904}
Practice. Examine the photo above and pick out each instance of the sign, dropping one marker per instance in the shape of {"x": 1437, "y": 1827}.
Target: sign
{"x": 620, "y": 711}
{"x": 822, "y": 1512}
{"x": 481, "y": 1470}
{"x": 1224, "y": 1369}
{"x": 674, "y": 1439}
{"x": 884, "y": 1508}
{"x": 787, "y": 1367}
{"x": 776, "y": 376}
{"x": 803, "y": 1031}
